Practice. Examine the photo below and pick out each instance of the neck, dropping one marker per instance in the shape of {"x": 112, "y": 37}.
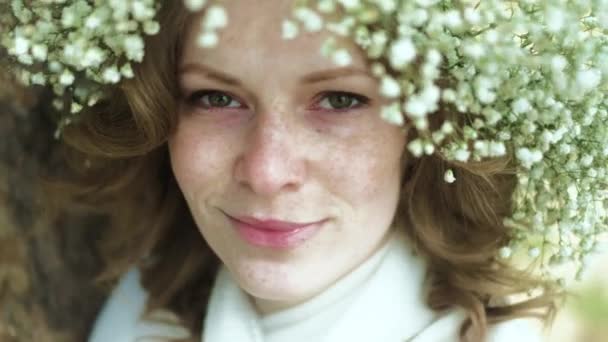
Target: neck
{"x": 266, "y": 307}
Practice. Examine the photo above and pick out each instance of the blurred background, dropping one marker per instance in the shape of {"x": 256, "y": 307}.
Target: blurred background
{"x": 46, "y": 263}
{"x": 585, "y": 315}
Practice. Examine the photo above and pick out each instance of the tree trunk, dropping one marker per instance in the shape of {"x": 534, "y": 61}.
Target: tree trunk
{"x": 47, "y": 265}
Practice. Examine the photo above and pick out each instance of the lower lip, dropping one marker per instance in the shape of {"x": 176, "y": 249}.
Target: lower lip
{"x": 279, "y": 239}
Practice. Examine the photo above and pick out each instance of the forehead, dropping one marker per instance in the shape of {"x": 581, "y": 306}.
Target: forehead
{"x": 253, "y": 38}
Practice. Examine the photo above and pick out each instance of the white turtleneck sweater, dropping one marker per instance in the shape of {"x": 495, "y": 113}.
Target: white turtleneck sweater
{"x": 381, "y": 300}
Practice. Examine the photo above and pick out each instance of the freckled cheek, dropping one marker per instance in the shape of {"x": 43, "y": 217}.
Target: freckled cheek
{"x": 384, "y": 165}
{"x": 362, "y": 175}
{"x": 195, "y": 162}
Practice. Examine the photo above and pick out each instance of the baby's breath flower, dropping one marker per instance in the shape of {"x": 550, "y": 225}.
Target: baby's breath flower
{"x": 389, "y": 87}
{"x": 341, "y": 57}
{"x": 111, "y": 75}
{"x": 449, "y": 176}
{"x": 66, "y": 78}
{"x": 402, "y": 52}
{"x": 72, "y": 45}
{"x": 505, "y": 252}
{"x": 215, "y": 18}
{"x": 290, "y": 30}
{"x": 310, "y": 19}
{"x": 392, "y": 114}
{"x": 195, "y": 5}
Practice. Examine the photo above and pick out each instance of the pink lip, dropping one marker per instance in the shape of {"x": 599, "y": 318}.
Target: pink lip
{"x": 274, "y": 233}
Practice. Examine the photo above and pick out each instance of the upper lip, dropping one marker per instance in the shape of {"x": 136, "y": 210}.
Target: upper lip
{"x": 271, "y": 224}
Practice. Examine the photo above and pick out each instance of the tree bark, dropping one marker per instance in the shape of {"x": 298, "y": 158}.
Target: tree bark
{"x": 47, "y": 265}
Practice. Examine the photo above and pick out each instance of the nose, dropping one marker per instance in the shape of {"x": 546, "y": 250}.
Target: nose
{"x": 271, "y": 161}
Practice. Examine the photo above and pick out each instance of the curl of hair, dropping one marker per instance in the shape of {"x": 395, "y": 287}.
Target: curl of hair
{"x": 120, "y": 166}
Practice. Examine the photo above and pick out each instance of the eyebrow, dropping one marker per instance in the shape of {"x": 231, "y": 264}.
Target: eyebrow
{"x": 314, "y": 77}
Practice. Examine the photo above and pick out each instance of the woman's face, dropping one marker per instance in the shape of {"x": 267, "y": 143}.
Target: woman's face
{"x": 270, "y": 130}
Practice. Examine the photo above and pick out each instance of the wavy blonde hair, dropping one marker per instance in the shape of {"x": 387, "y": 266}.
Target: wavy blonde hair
{"x": 120, "y": 165}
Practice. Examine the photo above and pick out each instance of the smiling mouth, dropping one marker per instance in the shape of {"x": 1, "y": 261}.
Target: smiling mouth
{"x": 275, "y": 233}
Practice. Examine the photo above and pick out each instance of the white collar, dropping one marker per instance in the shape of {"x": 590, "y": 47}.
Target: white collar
{"x": 381, "y": 300}
{"x": 389, "y": 306}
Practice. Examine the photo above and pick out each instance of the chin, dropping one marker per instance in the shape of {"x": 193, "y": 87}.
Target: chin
{"x": 273, "y": 282}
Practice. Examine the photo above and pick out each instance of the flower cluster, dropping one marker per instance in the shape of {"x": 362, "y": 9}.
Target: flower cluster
{"x": 530, "y": 76}
{"x": 76, "y": 47}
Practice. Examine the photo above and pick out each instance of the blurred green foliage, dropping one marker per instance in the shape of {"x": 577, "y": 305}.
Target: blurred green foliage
{"x": 591, "y": 304}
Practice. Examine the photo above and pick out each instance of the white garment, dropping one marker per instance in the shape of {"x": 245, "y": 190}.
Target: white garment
{"x": 381, "y": 300}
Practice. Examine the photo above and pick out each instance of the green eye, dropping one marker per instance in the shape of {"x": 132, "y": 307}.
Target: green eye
{"x": 342, "y": 100}
{"x": 212, "y": 99}
{"x": 217, "y": 99}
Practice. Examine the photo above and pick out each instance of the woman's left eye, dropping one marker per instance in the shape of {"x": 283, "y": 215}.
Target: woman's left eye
{"x": 341, "y": 101}
{"x": 213, "y": 99}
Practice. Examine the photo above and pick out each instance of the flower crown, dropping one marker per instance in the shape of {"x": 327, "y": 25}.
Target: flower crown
{"x": 532, "y": 75}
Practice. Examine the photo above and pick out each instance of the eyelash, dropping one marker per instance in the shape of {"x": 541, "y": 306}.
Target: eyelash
{"x": 194, "y": 99}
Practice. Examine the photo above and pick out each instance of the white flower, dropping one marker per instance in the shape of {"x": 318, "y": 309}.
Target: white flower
{"x": 447, "y": 127}
{"x": 341, "y": 28}
{"x": 433, "y": 57}
{"x": 471, "y": 15}
{"x": 38, "y": 78}
{"x": 497, "y": 149}
{"x": 587, "y": 160}
{"x": 93, "y": 57}
{"x": 68, "y": 18}
{"x": 401, "y": 53}
{"x": 326, "y": 6}
{"x": 127, "y": 71}
{"x": 474, "y": 50}
{"x": 134, "y": 47}
{"x": 350, "y": 4}
{"x": 111, "y": 75}
{"x": 449, "y": 176}
{"x": 462, "y": 155}
{"x": 215, "y": 18}
{"x": 290, "y": 29}
{"x": 534, "y": 252}
{"x": 415, "y": 147}
{"x": 588, "y": 79}
{"x": 528, "y": 157}
{"x": 75, "y": 108}
{"x": 386, "y": 6}
{"x": 420, "y": 105}
{"x": 555, "y": 19}
{"x": 389, "y": 87}
{"x": 448, "y": 95}
{"x": 341, "y": 57}
{"x": 504, "y": 252}
{"x": 66, "y": 78}
{"x": 92, "y": 22}
{"x": 141, "y": 11}
{"x": 427, "y": 3}
{"x": 311, "y": 20}
{"x": 392, "y": 114}
{"x": 415, "y": 107}
{"x": 151, "y": 27}
{"x": 558, "y": 62}
{"x": 39, "y": 52}
{"x": 521, "y": 106}
{"x": 208, "y": 39}
{"x": 430, "y": 95}
{"x": 195, "y": 5}
{"x": 452, "y": 19}
{"x": 22, "y": 45}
